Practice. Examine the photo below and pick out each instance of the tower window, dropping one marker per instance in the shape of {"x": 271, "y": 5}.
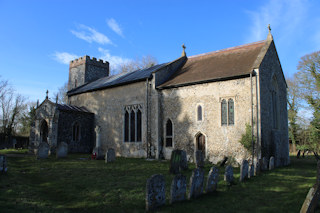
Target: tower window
{"x": 169, "y": 135}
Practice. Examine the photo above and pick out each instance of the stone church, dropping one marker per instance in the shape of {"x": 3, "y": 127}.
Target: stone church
{"x": 200, "y": 102}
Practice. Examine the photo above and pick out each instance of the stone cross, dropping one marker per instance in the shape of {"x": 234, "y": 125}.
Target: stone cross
{"x": 97, "y": 130}
{"x": 155, "y": 192}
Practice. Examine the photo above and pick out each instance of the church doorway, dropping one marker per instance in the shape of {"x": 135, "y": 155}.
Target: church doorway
{"x": 201, "y": 143}
{"x": 44, "y": 131}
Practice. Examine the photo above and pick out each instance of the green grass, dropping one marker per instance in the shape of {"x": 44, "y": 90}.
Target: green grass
{"x": 77, "y": 184}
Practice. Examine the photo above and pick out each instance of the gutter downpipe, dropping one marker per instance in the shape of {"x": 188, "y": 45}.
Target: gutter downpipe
{"x": 147, "y": 120}
{"x": 257, "y": 109}
{"x": 251, "y": 116}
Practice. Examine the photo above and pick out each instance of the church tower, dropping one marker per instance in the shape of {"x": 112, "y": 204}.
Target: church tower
{"x": 85, "y": 70}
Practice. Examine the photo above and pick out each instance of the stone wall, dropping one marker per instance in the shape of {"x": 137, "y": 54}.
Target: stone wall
{"x": 180, "y": 105}
{"x": 65, "y": 130}
{"x": 270, "y": 68}
{"x": 109, "y": 107}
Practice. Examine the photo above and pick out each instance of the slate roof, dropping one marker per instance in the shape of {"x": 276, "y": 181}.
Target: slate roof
{"x": 117, "y": 80}
{"x": 218, "y": 65}
{"x": 66, "y": 107}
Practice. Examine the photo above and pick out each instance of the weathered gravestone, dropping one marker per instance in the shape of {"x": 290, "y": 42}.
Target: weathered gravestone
{"x": 244, "y": 168}
{"x": 175, "y": 161}
{"x": 256, "y": 168}
{"x": 155, "y": 192}
{"x": 110, "y": 156}
{"x": 199, "y": 159}
{"x": 196, "y": 183}
{"x": 213, "y": 178}
{"x": 43, "y": 150}
{"x": 251, "y": 171}
{"x": 228, "y": 175}
{"x": 62, "y": 150}
{"x": 184, "y": 160}
{"x": 264, "y": 164}
{"x": 3, "y": 164}
{"x": 271, "y": 163}
{"x": 313, "y": 195}
{"x": 178, "y": 188}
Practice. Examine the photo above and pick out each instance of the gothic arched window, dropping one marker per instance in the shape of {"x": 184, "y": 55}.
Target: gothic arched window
{"x": 139, "y": 125}
{"x": 230, "y": 112}
{"x": 126, "y": 127}
{"x": 132, "y": 123}
{"x": 76, "y": 132}
{"x": 169, "y": 133}
{"x": 199, "y": 113}
{"x": 132, "y": 126}
{"x": 224, "y": 115}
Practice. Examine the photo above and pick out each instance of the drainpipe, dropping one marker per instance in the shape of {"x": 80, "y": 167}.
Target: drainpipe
{"x": 257, "y": 108}
{"x": 251, "y": 96}
{"x": 147, "y": 118}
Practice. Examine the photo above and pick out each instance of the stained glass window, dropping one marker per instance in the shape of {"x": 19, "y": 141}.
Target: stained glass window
{"x": 224, "y": 112}
{"x": 230, "y": 112}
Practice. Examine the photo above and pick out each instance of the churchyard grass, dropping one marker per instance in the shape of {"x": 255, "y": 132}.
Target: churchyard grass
{"x": 78, "y": 184}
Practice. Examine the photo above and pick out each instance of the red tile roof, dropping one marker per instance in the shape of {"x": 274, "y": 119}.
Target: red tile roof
{"x": 222, "y": 64}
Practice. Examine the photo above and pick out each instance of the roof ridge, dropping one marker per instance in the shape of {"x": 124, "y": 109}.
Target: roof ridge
{"x": 226, "y": 49}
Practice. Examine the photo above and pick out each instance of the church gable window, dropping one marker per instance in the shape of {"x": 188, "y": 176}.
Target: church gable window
{"x": 169, "y": 133}
{"x": 227, "y": 112}
{"x": 76, "y": 132}
{"x": 133, "y": 123}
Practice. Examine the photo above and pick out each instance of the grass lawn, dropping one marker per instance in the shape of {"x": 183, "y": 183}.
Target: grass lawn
{"x": 77, "y": 184}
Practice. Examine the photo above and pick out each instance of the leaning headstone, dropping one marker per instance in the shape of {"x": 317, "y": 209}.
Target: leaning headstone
{"x": 3, "y": 164}
{"x": 175, "y": 161}
{"x": 213, "y": 178}
{"x": 264, "y": 164}
{"x": 178, "y": 188}
{"x": 251, "y": 171}
{"x": 199, "y": 159}
{"x": 228, "y": 175}
{"x": 155, "y": 192}
{"x": 256, "y": 168}
{"x": 244, "y": 170}
{"x": 311, "y": 201}
{"x": 184, "y": 160}
{"x": 43, "y": 150}
{"x": 271, "y": 163}
{"x": 98, "y": 152}
{"x": 62, "y": 150}
{"x": 110, "y": 156}
{"x": 196, "y": 183}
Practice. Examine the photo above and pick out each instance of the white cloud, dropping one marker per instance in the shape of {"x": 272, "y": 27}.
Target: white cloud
{"x": 64, "y": 57}
{"x": 114, "y": 61}
{"x": 115, "y": 26}
{"x": 285, "y": 17}
{"x": 90, "y": 35}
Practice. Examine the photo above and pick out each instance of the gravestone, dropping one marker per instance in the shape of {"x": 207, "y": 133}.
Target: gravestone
{"x": 110, "y": 156}
{"x": 178, "y": 188}
{"x": 3, "y": 164}
{"x": 311, "y": 201}
{"x": 199, "y": 159}
{"x": 175, "y": 161}
{"x": 228, "y": 175}
{"x": 271, "y": 163}
{"x": 196, "y": 183}
{"x": 213, "y": 178}
{"x": 264, "y": 164}
{"x": 155, "y": 192}
{"x": 43, "y": 150}
{"x": 62, "y": 150}
{"x": 251, "y": 171}
{"x": 244, "y": 168}
{"x": 184, "y": 160}
{"x": 256, "y": 168}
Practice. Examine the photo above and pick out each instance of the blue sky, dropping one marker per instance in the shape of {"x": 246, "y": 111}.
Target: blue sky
{"x": 38, "y": 38}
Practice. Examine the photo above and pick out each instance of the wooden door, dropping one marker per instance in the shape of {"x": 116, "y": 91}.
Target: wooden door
{"x": 201, "y": 143}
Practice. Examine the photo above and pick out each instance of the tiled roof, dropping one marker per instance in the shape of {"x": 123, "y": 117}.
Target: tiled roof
{"x": 222, "y": 64}
{"x": 116, "y": 80}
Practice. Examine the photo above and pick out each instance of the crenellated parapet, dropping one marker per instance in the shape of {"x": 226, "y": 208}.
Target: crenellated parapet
{"x": 86, "y": 59}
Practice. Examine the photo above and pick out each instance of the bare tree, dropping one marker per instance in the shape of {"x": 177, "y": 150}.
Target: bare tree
{"x": 139, "y": 63}
{"x": 12, "y": 107}
{"x": 62, "y": 94}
